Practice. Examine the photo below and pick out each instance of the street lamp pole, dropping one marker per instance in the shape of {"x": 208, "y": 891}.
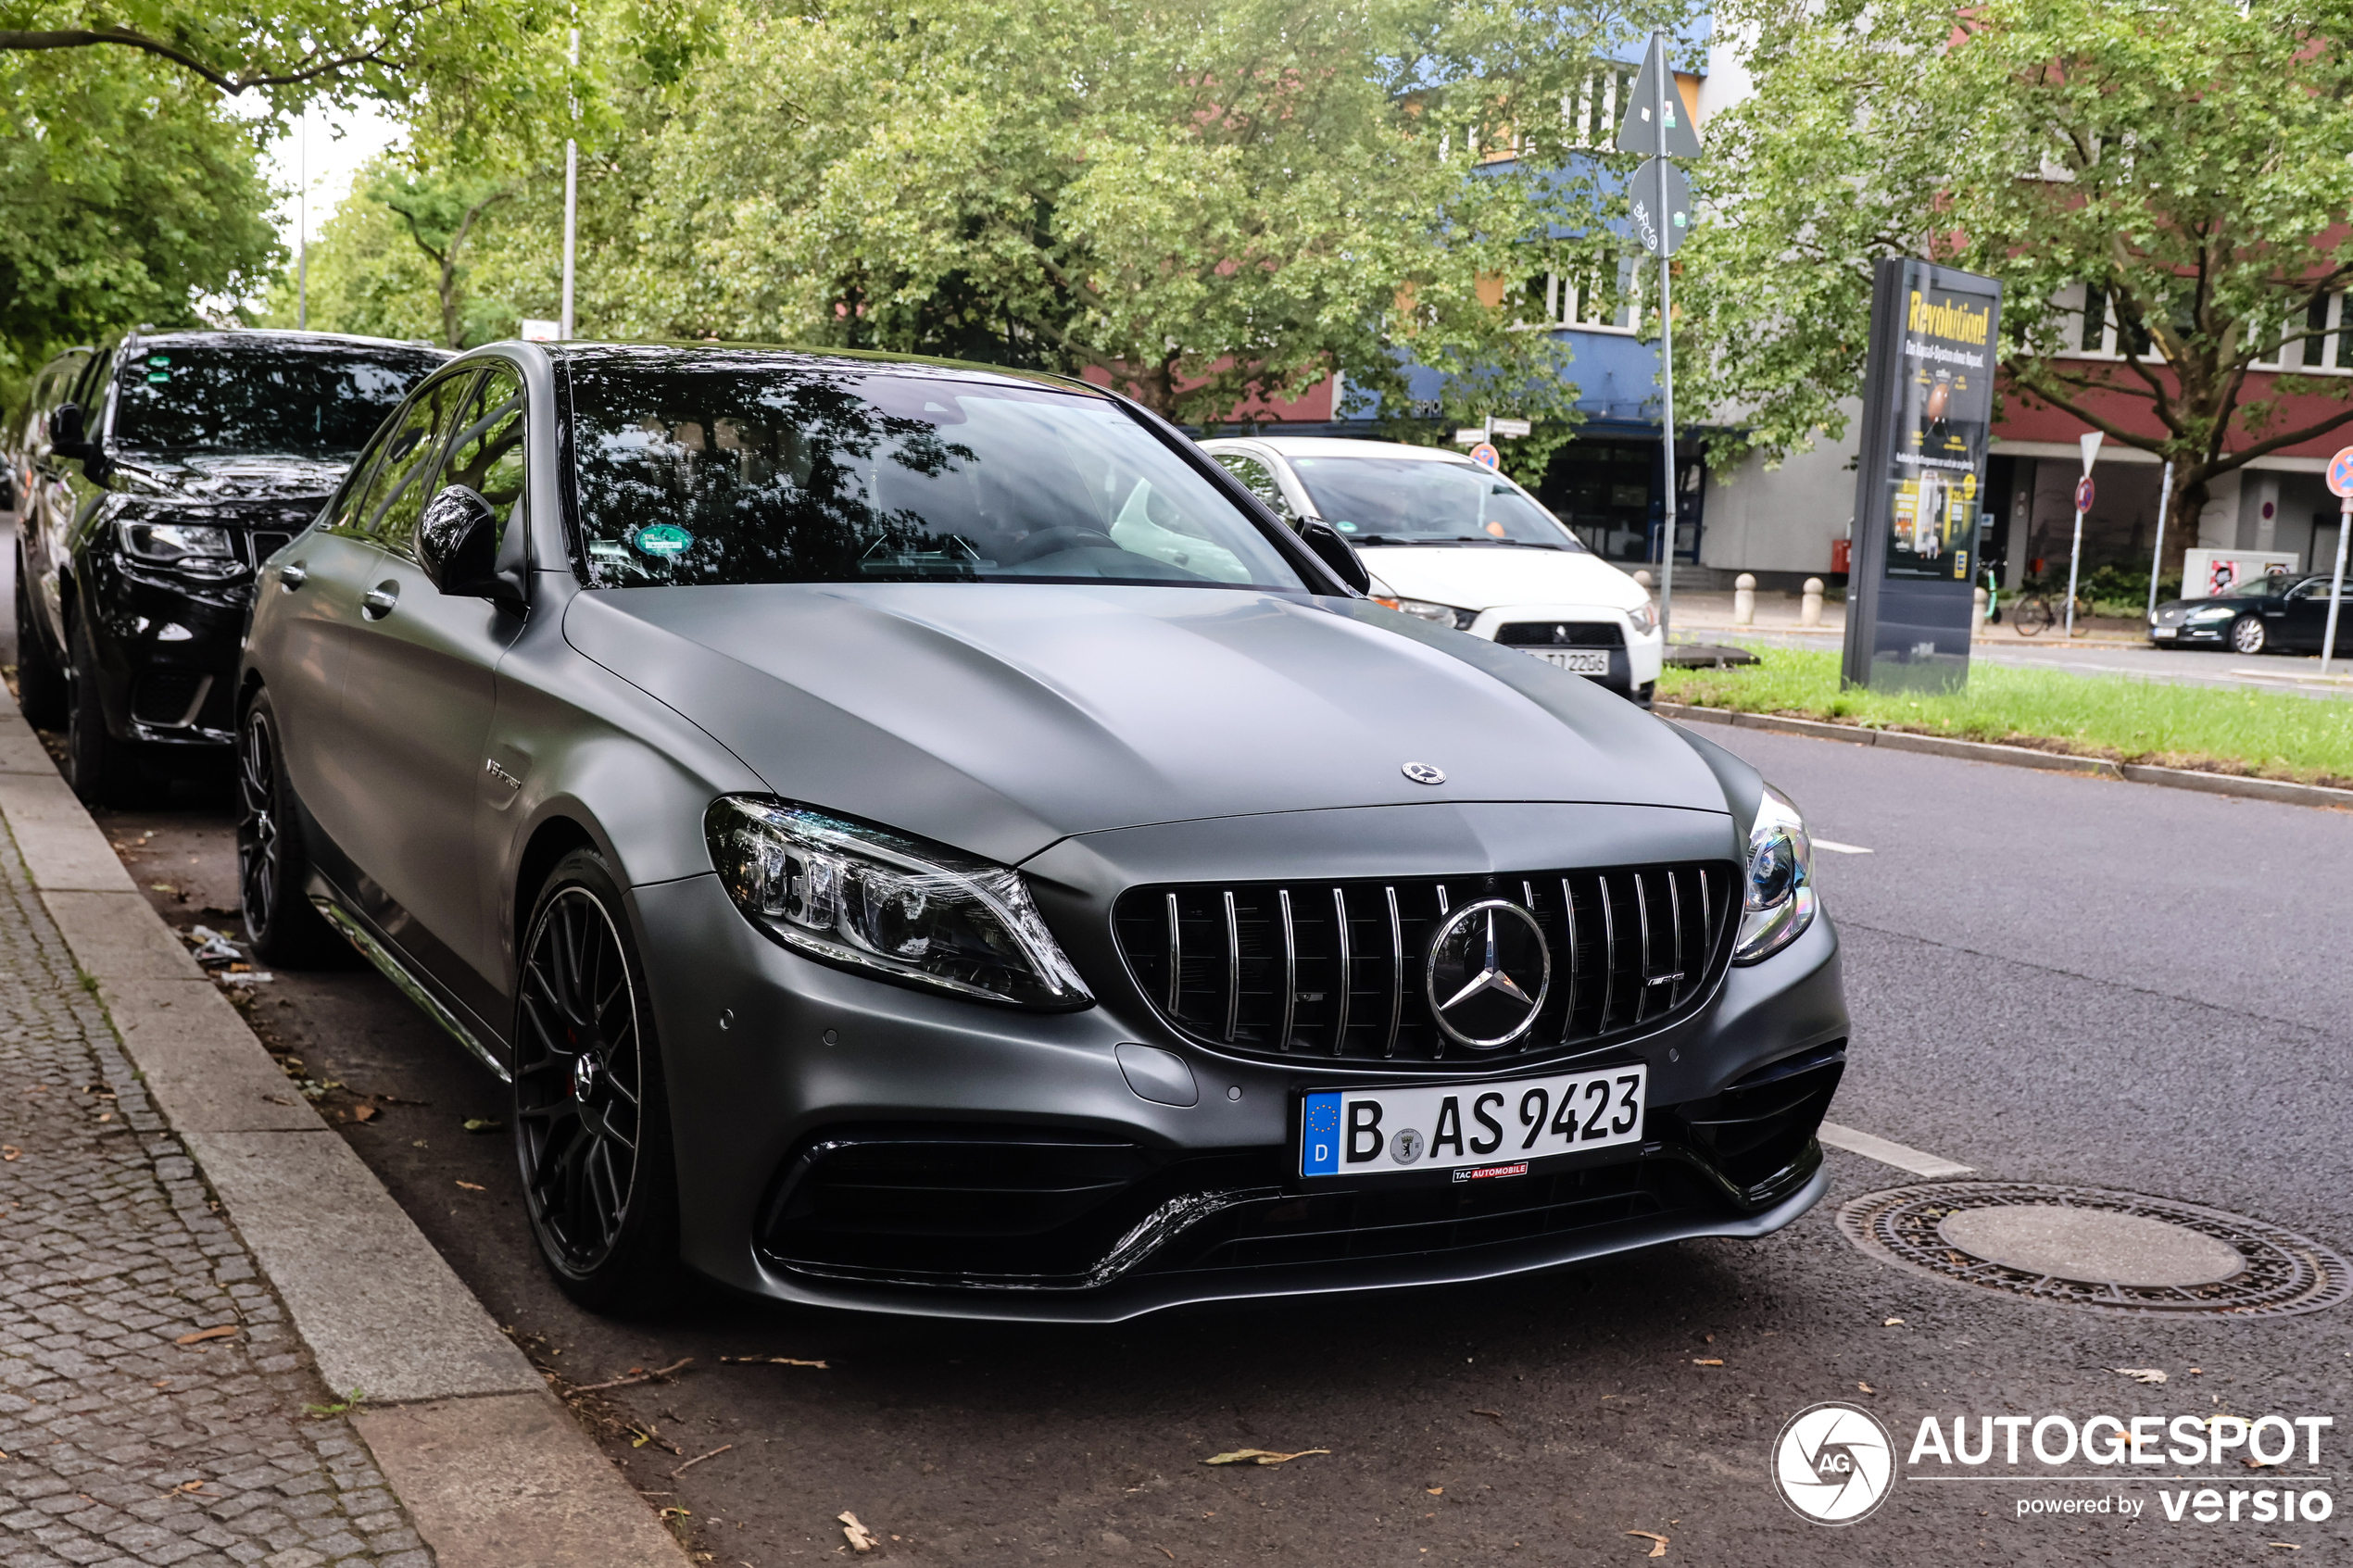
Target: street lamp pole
{"x": 1666, "y": 382}
{"x": 302, "y": 223}
{"x": 572, "y": 200}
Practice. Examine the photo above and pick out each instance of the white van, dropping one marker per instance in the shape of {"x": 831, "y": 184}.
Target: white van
{"x": 1454, "y": 542}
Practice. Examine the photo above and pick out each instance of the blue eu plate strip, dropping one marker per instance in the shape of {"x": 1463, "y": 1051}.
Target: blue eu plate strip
{"x": 1319, "y": 1135}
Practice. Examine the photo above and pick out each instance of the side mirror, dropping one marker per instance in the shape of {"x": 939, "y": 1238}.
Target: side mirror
{"x": 1335, "y": 552}
{"x": 67, "y": 440}
{"x": 458, "y": 545}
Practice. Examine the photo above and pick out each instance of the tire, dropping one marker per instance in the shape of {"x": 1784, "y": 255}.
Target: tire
{"x": 40, "y": 685}
{"x": 591, "y": 1112}
{"x": 102, "y": 770}
{"x": 273, "y": 870}
{"x": 2249, "y": 638}
{"x": 2032, "y": 615}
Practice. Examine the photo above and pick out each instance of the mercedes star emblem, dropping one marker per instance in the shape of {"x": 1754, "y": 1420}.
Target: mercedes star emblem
{"x": 1487, "y": 974}
{"x": 1422, "y": 773}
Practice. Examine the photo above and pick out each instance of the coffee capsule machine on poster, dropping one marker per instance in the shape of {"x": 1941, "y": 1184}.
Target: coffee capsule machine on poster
{"x": 1928, "y": 411}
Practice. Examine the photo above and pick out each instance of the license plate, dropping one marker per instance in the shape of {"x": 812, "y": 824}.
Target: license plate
{"x": 2163, "y": 630}
{"x": 1577, "y": 661}
{"x": 1476, "y": 1130}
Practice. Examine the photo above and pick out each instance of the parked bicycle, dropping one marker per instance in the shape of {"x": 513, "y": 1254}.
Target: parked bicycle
{"x": 2035, "y": 611}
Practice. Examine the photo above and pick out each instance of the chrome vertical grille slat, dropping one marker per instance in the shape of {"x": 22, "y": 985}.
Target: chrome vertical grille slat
{"x": 1293, "y": 959}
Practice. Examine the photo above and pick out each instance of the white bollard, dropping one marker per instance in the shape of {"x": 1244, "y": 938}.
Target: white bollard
{"x": 1644, "y": 579}
{"x": 1809, "y": 607}
{"x": 1977, "y": 610}
{"x": 1745, "y": 600}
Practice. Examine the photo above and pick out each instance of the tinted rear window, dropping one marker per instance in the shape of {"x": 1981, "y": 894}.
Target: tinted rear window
{"x": 716, "y": 471}
{"x": 268, "y": 398}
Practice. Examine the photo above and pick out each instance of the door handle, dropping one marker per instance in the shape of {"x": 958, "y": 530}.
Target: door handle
{"x": 293, "y": 575}
{"x": 377, "y": 602}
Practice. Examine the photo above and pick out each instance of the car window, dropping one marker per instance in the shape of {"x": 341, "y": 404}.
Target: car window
{"x": 1258, "y": 479}
{"x": 719, "y": 468}
{"x": 403, "y": 469}
{"x": 1422, "y": 501}
{"x": 268, "y": 395}
{"x": 2318, "y": 588}
{"x": 487, "y": 450}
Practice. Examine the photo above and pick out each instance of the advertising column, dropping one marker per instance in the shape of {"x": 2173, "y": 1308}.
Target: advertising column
{"x": 1927, "y": 412}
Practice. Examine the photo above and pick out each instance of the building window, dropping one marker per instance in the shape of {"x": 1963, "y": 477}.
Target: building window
{"x": 1593, "y": 110}
{"x": 1605, "y": 297}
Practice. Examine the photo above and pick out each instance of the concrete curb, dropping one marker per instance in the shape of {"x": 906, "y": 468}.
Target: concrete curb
{"x": 2278, "y": 790}
{"x": 491, "y": 1468}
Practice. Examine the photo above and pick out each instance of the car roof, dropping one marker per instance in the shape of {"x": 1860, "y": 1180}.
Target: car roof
{"x": 1344, "y": 446}
{"x": 788, "y": 356}
{"x": 258, "y": 336}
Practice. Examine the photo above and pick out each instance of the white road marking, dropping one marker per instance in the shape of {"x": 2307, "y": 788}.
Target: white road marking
{"x": 1837, "y": 848}
{"x": 1902, "y": 1156}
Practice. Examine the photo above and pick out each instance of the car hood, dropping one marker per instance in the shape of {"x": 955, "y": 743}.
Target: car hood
{"x": 999, "y": 717}
{"x": 1479, "y": 576}
{"x": 249, "y": 477}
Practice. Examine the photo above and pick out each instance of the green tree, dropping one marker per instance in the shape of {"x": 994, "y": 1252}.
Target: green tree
{"x": 1206, "y": 204}
{"x": 2187, "y": 161}
{"x": 125, "y": 197}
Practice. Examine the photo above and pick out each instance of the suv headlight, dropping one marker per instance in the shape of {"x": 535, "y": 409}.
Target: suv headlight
{"x": 1422, "y": 609}
{"x": 1779, "y": 899}
{"x": 896, "y": 907}
{"x": 193, "y": 549}
{"x": 1644, "y": 617}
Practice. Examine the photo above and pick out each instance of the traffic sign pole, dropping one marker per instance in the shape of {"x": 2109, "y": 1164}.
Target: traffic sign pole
{"x": 2341, "y": 483}
{"x": 2091, "y": 444}
{"x": 2164, "y": 499}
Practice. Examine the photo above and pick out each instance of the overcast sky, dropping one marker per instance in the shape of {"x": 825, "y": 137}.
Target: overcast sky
{"x": 333, "y": 143}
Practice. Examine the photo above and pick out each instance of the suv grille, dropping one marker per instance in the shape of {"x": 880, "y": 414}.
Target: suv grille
{"x": 1337, "y": 968}
{"x": 1561, "y": 634}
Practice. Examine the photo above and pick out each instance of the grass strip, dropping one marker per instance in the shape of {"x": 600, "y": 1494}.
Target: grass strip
{"x": 2264, "y": 735}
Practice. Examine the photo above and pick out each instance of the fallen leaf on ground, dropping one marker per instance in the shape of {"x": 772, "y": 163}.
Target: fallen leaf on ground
{"x": 1435, "y": 1491}
{"x": 861, "y": 1538}
{"x": 2260, "y": 1464}
{"x": 483, "y": 1123}
{"x": 217, "y": 1331}
{"x": 1892, "y": 1323}
{"x": 1709, "y": 1360}
{"x": 1659, "y": 1548}
{"x": 773, "y": 1361}
{"x": 10, "y": 1152}
{"x": 1867, "y": 1388}
{"x": 474, "y": 1186}
{"x": 1261, "y": 1456}
{"x": 2141, "y": 1374}
{"x": 364, "y": 1113}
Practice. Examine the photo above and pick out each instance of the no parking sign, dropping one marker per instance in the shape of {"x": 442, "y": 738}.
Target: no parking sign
{"x": 2341, "y": 475}
{"x": 1485, "y": 456}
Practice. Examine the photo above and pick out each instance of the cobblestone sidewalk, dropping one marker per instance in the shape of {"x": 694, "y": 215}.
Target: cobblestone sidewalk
{"x": 122, "y": 1446}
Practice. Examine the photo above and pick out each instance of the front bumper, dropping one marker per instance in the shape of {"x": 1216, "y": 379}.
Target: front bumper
{"x": 1633, "y": 666}
{"x": 167, "y": 650}
{"x": 849, "y": 1143}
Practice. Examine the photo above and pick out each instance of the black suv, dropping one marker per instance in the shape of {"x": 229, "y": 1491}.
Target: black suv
{"x": 160, "y": 471}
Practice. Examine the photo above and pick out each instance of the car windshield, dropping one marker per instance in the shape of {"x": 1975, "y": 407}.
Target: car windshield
{"x": 1422, "y": 501}
{"x": 301, "y": 400}
{"x": 713, "y": 470}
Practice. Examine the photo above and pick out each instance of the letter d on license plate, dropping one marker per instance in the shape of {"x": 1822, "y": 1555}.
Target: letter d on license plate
{"x": 1369, "y": 1132}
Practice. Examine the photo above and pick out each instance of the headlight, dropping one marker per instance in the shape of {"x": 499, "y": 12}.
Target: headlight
{"x": 896, "y": 907}
{"x": 1644, "y": 617}
{"x": 2213, "y": 612}
{"x": 194, "y": 549}
{"x": 1780, "y": 902}
{"x": 1422, "y": 609}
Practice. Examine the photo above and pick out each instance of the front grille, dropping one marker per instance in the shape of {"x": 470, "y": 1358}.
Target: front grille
{"x": 1562, "y": 635}
{"x": 1336, "y": 970}
{"x": 168, "y": 697}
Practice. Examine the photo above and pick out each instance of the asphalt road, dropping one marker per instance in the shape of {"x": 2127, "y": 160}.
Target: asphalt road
{"x": 2054, "y": 979}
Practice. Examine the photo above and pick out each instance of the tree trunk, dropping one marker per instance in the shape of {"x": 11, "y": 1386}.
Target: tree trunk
{"x": 2184, "y": 508}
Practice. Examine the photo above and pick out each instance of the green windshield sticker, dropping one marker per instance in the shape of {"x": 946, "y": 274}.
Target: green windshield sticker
{"x": 158, "y": 375}
{"x": 664, "y": 539}
{"x": 159, "y": 359}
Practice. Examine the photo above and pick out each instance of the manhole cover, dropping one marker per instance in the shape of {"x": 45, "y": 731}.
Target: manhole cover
{"x": 2108, "y": 1252}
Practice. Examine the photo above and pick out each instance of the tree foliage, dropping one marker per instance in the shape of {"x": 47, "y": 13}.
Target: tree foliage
{"x": 125, "y": 197}
{"x": 1211, "y": 205}
{"x": 2187, "y": 160}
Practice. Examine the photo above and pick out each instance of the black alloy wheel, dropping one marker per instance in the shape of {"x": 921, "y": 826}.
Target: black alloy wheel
{"x": 591, "y": 1120}
{"x": 40, "y": 685}
{"x": 273, "y": 869}
{"x": 102, "y": 769}
{"x": 2248, "y": 635}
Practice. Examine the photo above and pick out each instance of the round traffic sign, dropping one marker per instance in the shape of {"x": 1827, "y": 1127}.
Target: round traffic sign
{"x": 1485, "y": 456}
{"x": 2341, "y": 473}
{"x": 2083, "y": 494}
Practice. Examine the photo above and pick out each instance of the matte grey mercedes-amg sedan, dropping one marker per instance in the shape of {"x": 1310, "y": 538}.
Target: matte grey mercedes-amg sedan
{"x": 924, "y": 838}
